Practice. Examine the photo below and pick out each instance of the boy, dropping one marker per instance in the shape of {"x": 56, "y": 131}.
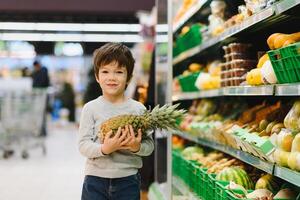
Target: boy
{"x": 112, "y": 167}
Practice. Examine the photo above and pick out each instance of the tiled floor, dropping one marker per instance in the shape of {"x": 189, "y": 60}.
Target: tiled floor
{"x": 56, "y": 176}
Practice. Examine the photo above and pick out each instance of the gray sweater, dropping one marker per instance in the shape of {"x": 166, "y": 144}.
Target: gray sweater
{"x": 117, "y": 164}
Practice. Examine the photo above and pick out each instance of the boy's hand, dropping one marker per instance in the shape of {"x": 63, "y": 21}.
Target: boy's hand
{"x": 112, "y": 144}
{"x": 132, "y": 142}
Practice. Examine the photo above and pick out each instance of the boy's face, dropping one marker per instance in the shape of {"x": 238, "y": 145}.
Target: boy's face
{"x": 112, "y": 79}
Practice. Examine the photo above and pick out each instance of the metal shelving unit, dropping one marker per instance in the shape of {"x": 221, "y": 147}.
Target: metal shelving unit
{"x": 287, "y": 90}
{"x": 251, "y": 22}
{"x": 287, "y": 174}
{"x": 189, "y": 14}
{"x": 264, "y": 90}
{"x": 243, "y": 156}
{"x": 196, "y": 95}
{"x": 276, "y": 13}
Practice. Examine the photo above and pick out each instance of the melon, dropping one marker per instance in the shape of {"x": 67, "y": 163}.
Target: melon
{"x": 236, "y": 175}
{"x": 188, "y": 152}
{"x": 268, "y": 182}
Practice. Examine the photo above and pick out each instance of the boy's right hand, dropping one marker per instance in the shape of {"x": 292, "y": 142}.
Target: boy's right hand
{"x": 112, "y": 144}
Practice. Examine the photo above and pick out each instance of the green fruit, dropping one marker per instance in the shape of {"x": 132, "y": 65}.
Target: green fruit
{"x": 268, "y": 182}
{"x": 237, "y": 175}
{"x": 263, "y": 125}
{"x": 270, "y": 126}
{"x": 188, "y": 152}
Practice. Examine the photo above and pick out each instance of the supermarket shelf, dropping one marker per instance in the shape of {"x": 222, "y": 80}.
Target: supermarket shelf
{"x": 243, "y": 156}
{"x": 287, "y": 90}
{"x": 287, "y": 174}
{"x": 156, "y": 192}
{"x": 283, "y": 6}
{"x": 252, "y": 22}
{"x": 183, "y": 189}
{"x": 264, "y": 90}
{"x": 190, "y": 13}
{"x": 199, "y": 94}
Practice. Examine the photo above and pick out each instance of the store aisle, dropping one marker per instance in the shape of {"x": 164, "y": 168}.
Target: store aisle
{"x": 56, "y": 176}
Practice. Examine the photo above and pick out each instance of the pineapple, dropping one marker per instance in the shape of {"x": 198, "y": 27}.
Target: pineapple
{"x": 159, "y": 118}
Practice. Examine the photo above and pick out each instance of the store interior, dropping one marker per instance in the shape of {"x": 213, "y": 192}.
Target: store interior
{"x": 233, "y": 66}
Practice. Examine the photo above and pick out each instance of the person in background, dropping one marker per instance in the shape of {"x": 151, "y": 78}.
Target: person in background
{"x": 25, "y": 72}
{"x": 40, "y": 79}
{"x": 67, "y": 97}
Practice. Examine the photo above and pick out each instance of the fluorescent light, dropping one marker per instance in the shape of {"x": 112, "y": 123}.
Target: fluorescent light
{"x": 161, "y": 38}
{"x": 71, "y": 37}
{"x": 80, "y": 27}
{"x": 162, "y": 28}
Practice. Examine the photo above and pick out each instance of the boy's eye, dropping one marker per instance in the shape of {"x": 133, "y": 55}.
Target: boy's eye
{"x": 120, "y": 72}
{"x": 104, "y": 71}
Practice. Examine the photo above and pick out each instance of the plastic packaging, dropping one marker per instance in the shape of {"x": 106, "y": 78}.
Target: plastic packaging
{"x": 239, "y": 47}
{"x": 291, "y": 121}
{"x": 245, "y": 64}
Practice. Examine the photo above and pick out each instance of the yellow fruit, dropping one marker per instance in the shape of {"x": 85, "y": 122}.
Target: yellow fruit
{"x": 184, "y": 30}
{"x": 296, "y": 143}
{"x": 195, "y": 67}
{"x": 262, "y": 60}
{"x": 281, "y": 157}
{"x": 271, "y": 39}
{"x": 294, "y": 161}
{"x": 254, "y": 77}
{"x": 284, "y": 140}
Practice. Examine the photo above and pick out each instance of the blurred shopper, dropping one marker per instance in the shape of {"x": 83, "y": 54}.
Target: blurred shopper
{"x": 40, "y": 79}
{"x": 112, "y": 167}
{"x": 67, "y": 97}
{"x": 25, "y": 72}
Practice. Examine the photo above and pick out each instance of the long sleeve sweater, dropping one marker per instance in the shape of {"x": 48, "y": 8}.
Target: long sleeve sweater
{"x": 117, "y": 164}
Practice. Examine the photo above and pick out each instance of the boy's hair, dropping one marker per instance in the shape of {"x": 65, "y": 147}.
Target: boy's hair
{"x": 114, "y": 52}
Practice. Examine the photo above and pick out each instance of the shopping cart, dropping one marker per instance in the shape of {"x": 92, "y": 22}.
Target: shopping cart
{"x": 21, "y": 117}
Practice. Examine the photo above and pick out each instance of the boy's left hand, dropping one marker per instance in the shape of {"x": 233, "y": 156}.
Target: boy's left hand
{"x": 133, "y": 142}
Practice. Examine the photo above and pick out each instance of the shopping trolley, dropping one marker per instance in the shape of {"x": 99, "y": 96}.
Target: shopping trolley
{"x": 21, "y": 118}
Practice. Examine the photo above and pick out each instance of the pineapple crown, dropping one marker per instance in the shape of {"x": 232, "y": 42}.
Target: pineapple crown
{"x": 164, "y": 117}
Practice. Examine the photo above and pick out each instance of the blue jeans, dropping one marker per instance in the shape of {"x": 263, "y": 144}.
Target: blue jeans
{"x": 125, "y": 188}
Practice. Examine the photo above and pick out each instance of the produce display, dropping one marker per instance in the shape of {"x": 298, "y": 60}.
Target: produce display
{"x": 227, "y": 177}
{"x": 234, "y": 50}
{"x": 276, "y": 123}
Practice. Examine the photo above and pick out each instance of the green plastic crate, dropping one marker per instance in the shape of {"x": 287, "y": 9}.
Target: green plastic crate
{"x": 187, "y": 41}
{"x": 220, "y": 189}
{"x": 286, "y": 63}
{"x": 187, "y": 82}
{"x": 211, "y": 186}
{"x": 192, "y": 38}
{"x": 231, "y": 196}
{"x": 203, "y": 183}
